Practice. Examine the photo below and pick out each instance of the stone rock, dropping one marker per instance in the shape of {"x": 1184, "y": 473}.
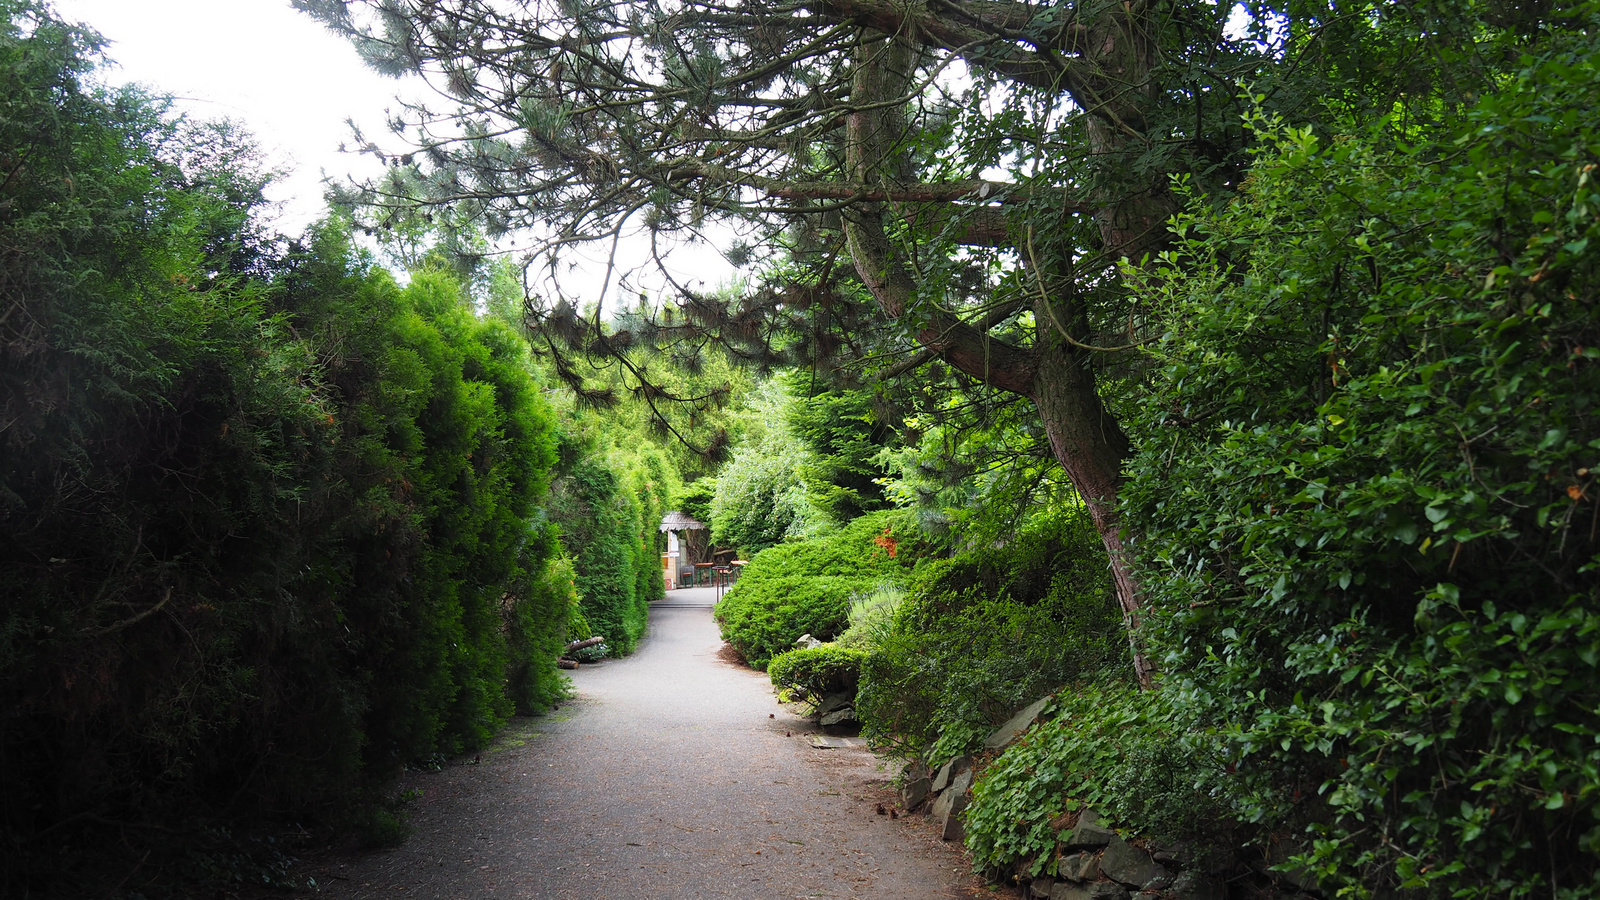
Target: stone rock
{"x": 841, "y": 716}
{"x": 1015, "y": 725}
{"x": 915, "y": 791}
{"x": 916, "y": 769}
{"x": 835, "y": 701}
{"x": 947, "y": 809}
{"x": 1079, "y": 867}
{"x": 961, "y": 783}
{"x": 1192, "y": 885}
{"x": 953, "y": 830}
{"x": 1158, "y": 884}
{"x": 806, "y": 642}
{"x": 1128, "y": 864}
{"x": 1107, "y": 890}
{"x": 1089, "y": 832}
{"x": 1099, "y": 890}
{"x": 1095, "y": 891}
{"x": 950, "y": 770}
{"x": 1041, "y": 887}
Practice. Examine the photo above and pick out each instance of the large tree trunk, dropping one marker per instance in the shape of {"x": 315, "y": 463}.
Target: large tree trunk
{"x": 1057, "y": 376}
{"x": 1091, "y": 448}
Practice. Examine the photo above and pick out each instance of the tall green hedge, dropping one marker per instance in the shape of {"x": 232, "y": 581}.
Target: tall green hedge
{"x": 265, "y": 515}
{"x": 607, "y": 502}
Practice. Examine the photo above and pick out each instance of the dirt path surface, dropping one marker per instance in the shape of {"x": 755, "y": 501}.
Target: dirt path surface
{"x": 674, "y": 774}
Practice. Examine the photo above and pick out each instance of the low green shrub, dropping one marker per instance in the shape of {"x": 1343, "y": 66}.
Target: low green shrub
{"x": 807, "y": 587}
{"x": 768, "y": 616}
{"x": 985, "y": 633}
{"x": 387, "y": 823}
{"x": 1131, "y": 756}
{"x": 815, "y": 672}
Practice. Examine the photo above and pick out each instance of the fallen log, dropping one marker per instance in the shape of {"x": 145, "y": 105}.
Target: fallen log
{"x": 566, "y": 664}
{"x": 579, "y": 645}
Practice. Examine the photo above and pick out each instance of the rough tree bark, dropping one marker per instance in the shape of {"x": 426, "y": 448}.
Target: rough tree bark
{"x": 1058, "y": 377}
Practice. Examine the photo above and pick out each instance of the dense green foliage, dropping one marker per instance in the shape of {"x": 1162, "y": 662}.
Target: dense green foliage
{"x": 265, "y": 519}
{"x": 844, "y": 434}
{"x": 1367, "y": 488}
{"x": 695, "y": 499}
{"x": 1128, "y": 755}
{"x": 270, "y": 521}
{"x": 607, "y": 499}
{"x": 760, "y": 498}
{"x": 974, "y": 476}
{"x": 806, "y": 587}
{"x": 814, "y": 672}
{"x": 985, "y": 633}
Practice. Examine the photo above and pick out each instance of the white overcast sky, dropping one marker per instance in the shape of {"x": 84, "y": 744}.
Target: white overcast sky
{"x": 292, "y": 82}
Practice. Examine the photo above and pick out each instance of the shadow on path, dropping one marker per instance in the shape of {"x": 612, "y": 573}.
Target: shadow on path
{"x": 672, "y": 775}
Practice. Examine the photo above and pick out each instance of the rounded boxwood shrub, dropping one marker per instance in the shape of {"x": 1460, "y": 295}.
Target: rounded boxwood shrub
{"x": 806, "y": 587}
{"x": 815, "y": 672}
{"x": 768, "y": 616}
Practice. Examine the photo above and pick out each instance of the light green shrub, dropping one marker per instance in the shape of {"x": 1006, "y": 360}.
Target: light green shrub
{"x": 807, "y": 587}
{"x": 872, "y": 615}
{"x": 815, "y": 672}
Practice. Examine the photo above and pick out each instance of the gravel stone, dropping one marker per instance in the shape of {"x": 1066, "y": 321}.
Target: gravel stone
{"x": 664, "y": 778}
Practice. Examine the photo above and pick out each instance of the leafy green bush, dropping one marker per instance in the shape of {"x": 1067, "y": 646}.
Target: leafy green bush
{"x": 1366, "y": 489}
{"x": 983, "y": 634}
{"x": 806, "y": 587}
{"x": 759, "y": 497}
{"x": 1131, "y": 756}
{"x": 815, "y": 672}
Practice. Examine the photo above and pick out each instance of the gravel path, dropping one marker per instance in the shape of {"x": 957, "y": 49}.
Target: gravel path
{"x": 674, "y": 774}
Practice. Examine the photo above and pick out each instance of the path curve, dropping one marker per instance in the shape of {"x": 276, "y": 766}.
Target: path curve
{"x": 673, "y": 774}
